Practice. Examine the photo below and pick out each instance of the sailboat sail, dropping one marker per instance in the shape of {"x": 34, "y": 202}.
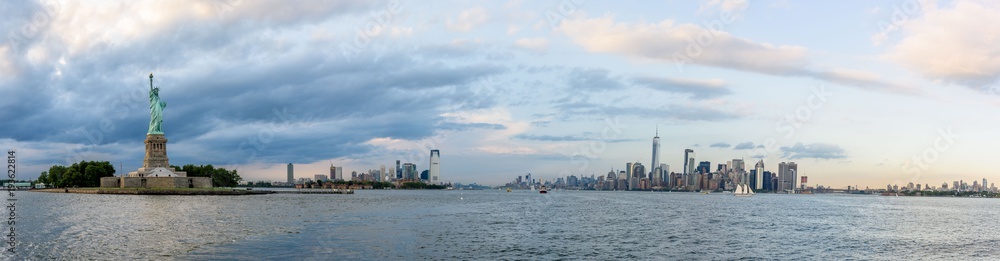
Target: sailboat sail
{"x": 743, "y": 190}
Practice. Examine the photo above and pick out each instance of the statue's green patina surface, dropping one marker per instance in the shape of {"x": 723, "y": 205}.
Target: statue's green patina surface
{"x": 155, "y": 109}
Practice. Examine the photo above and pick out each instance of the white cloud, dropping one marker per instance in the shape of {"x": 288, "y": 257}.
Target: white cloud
{"x": 677, "y": 43}
{"x": 77, "y": 28}
{"x": 6, "y": 65}
{"x": 861, "y": 79}
{"x": 731, "y": 6}
{"x": 956, "y": 44}
{"x": 513, "y": 29}
{"x": 401, "y": 31}
{"x": 873, "y": 10}
{"x": 391, "y": 143}
{"x": 468, "y": 20}
{"x": 506, "y": 150}
{"x": 781, "y": 4}
{"x": 683, "y": 44}
{"x": 533, "y": 44}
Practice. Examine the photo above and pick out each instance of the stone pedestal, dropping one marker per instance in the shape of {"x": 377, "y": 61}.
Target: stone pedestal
{"x": 156, "y": 171}
{"x": 156, "y": 152}
{"x": 156, "y": 163}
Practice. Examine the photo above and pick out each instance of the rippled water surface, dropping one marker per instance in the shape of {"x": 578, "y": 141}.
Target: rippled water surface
{"x": 490, "y": 224}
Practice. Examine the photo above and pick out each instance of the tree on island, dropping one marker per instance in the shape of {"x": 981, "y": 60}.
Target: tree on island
{"x": 375, "y": 185}
{"x": 82, "y": 174}
{"x": 221, "y": 177}
{"x": 420, "y": 185}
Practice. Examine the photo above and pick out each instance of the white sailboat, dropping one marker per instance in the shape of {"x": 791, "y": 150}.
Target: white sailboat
{"x": 743, "y": 190}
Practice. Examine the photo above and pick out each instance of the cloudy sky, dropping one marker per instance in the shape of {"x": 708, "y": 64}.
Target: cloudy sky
{"x": 856, "y": 92}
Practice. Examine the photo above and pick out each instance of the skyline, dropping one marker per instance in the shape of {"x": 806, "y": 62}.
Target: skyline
{"x": 857, "y": 93}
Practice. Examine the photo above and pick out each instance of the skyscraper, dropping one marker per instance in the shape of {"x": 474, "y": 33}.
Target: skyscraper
{"x": 435, "y": 167}
{"x": 656, "y": 154}
{"x": 399, "y": 170}
{"x": 410, "y": 171}
{"x": 664, "y": 172}
{"x": 688, "y": 165}
{"x": 691, "y": 177}
{"x": 291, "y": 175}
{"x": 739, "y": 173}
{"x": 382, "y": 175}
{"x": 628, "y": 170}
{"x": 638, "y": 170}
{"x": 759, "y": 177}
{"x": 787, "y": 173}
{"x": 794, "y": 169}
{"x": 704, "y": 167}
{"x": 687, "y": 155}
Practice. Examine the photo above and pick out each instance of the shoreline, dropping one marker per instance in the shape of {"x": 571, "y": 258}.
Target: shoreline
{"x": 157, "y": 191}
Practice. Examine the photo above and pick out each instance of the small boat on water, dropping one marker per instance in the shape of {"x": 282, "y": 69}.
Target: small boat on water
{"x": 542, "y": 190}
{"x": 508, "y": 190}
{"x": 743, "y": 190}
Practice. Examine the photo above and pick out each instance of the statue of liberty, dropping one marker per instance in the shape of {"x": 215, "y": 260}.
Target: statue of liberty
{"x": 155, "y": 109}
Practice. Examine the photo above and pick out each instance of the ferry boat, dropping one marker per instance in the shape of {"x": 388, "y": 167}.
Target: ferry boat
{"x": 542, "y": 190}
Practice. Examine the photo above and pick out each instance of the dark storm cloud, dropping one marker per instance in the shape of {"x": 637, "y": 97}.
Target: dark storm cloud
{"x": 225, "y": 83}
{"x": 719, "y": 145}
{"x": 744, "y": 146}
{"x": 670, "y": 111}
{"x": 548, "y": 137}
{"x": 814, "y": 151}
{"x": 593, "y": 80}
{"x": 469, "y": 126}
{"x": 565, "y": 138}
